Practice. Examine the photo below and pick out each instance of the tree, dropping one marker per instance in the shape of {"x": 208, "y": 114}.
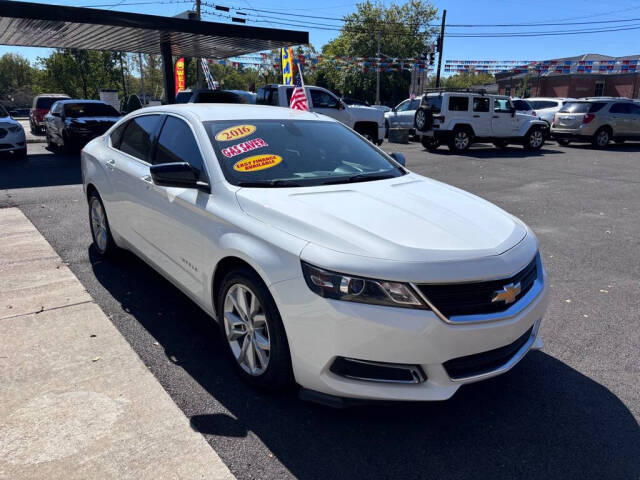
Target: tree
{"x": 465, "y": 80}
{"x": 17, "y": 78}
{"x": 400, "y": 31}
{"x": 80, "y": 73}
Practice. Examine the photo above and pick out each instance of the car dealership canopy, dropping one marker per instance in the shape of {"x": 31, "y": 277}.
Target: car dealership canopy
{"x": 54, "y": 26}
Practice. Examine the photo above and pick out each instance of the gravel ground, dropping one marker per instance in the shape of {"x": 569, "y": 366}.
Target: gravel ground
{"x": 570, "y": 411}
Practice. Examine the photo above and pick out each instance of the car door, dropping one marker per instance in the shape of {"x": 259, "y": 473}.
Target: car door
{"x": 176, "y": 217}
{"x": 621, "y": 119}
{"x": 327, "y": 104}
{"x": 127, "y": 165}
{"x": 503, "y": 119}
{"x": 481, "y": 108}
{"x": 407, "y": 116}
{"x": 51, "y": 122}
{"x": 634, "y": 120}
{"x": 395, "y": 119}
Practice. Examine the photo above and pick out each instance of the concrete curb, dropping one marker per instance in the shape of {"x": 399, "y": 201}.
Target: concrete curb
{"x": 76, "y": 401}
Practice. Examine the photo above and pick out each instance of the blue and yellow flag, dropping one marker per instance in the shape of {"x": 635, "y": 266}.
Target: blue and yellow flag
{"x": 287, "y": 66}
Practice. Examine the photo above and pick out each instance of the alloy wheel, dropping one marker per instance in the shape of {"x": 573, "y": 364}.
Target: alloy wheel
{"x": 536, "y": 139}
{"x": 247, "y": 329}
{"x": 99, "y": 224}
{"x": 420, "y": 120}
{"x": 461, "y": 140}
{"x": 602, "y": 139}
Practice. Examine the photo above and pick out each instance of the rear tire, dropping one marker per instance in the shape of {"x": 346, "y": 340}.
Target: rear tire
{"x": 430, "y": 143}
{"x": 601, "y": 138}
{"x": 460, "y": 140}
{"x": 253, "y": 325}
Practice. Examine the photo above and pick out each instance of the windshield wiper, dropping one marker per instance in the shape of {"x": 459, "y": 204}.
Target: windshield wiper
{"x": 271, "y": 183}
{"x": 361, "y": 177}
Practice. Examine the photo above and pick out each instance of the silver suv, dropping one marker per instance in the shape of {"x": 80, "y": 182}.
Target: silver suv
{"x": 597, "y": 121}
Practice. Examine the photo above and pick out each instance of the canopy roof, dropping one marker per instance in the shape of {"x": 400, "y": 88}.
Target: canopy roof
{"x": 37, "y": 25}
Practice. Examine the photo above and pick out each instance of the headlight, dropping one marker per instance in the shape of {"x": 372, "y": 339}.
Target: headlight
{"x": 363, "y": 290}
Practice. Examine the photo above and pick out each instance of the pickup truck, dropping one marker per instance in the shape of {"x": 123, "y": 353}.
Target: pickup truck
{"x": 367, "y": 121}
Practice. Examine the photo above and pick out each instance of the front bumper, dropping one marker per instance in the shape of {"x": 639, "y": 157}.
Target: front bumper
{"x": 12, "y": 141}
{"x": 321, "y": 330}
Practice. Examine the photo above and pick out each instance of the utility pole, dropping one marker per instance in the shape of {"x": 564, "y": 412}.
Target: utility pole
{"x": 440, "y": 48}
{"x": 124, "y": 84}
{"x": 144, "y": 98}
{"x": 378, "y": 72}
{"x": 198, "y": 63}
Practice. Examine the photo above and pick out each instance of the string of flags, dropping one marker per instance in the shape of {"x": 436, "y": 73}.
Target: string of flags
{"x": 542, "y": 67}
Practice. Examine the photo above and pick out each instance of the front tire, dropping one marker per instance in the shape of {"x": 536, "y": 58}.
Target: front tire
{"x": 252, "y": 331}
{"x": 99, "y": 224}
{"x": 534, "y": 140}
{"x": 601, "y": 138}
{"x": 460, "y": 141}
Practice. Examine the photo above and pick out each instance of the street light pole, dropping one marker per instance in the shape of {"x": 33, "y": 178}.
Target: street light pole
{"x": 198, "y": 63}
{"x": 378, "y": 73}
{"x": 441, "y": 48}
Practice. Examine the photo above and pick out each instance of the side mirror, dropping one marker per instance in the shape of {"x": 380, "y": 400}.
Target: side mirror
{"x": 399, "y": 157}
{"x": 341, "y": 105}
{"x": 178, "y": 174}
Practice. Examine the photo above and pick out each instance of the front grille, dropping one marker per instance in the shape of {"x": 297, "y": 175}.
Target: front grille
{"x": 485, "y": 362}
{"x": 475, "y": 297}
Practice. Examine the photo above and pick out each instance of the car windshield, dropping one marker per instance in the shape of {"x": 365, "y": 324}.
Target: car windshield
{"x": 293, "y": 153}
{"x": 581, "y": 107}
{"x": 46, "y": 102}
{"x": 522, "y": 105}
{"x": 542, "y": 104}
{"x": 78, "y": 110}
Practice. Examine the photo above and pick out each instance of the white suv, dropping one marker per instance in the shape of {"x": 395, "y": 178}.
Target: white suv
{"x": 461, "y": 118}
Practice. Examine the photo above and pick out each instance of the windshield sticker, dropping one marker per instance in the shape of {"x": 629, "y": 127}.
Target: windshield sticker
{"x": 235, "y": 132}
{"x": 244, "y": 147}
{"x": 257, "y": 162}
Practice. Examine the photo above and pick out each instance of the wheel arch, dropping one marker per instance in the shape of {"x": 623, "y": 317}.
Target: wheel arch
{"x": 463, "y": 126}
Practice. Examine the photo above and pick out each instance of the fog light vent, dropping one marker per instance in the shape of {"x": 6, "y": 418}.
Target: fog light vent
{"x": 377, "y": 372}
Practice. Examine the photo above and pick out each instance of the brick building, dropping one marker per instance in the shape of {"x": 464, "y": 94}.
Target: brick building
{"x": 621, "y": 81}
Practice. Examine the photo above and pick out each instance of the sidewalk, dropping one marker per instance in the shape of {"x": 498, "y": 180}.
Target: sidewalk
{"x": 76, "y": 402}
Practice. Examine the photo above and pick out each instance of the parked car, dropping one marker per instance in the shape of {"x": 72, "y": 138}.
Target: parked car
{"x": 355, "y": 102}
{"x": 523, "y": 107}
{"x": 325, "y": 261}
{"x": 597, "y": 122}
{"x": 204, "y": 95}
{"x": 546, "y": 108}
{"x": 20, "y": 112}
{"x": 367, "y": 121}
{"x": 12, "y": 138}
{"x": 382, "y": 108}
{"x": 41, "y": 105}
{"x": 72, "y": 123}
{"x": 402, "y": 115}
{"x": 250, "y": 97}
{"x": 461, "y": 118}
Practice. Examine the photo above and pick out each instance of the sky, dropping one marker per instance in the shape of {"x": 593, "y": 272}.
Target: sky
{"x": 617, "y": 43}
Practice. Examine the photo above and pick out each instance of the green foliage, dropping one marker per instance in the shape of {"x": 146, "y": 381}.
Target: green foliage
{"x": 79, "y": 73}
{"x": 402, "y": 31}
{"x": 130, "y": 103}
{"x": 17, "y": 79}
{"x": 465, "y": 80}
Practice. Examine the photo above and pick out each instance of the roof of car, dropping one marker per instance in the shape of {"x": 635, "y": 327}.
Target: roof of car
{"x": 235, "y": 111}
{"x": 74, "y": 100}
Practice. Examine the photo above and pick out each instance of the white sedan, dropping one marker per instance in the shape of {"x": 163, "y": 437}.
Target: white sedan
{"x": 325, "y": 261}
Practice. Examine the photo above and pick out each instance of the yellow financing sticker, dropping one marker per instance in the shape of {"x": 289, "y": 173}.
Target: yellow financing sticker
{"x": 235, "y": 132}
{"x": 257, "y": 162}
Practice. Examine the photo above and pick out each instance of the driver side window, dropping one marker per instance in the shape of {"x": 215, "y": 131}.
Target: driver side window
{"x": 403, "y": 106}
{"x": 322, "y": 99}
{"x": 501, "y": 105}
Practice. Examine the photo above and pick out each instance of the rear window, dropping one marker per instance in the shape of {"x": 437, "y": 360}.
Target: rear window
{"x": 522, "y": 105}
{"x": 458, "y": 104}
{"x": 582, "y": 107}
{"x": 183, "y": 97}
{"x": 46, "y": 102}
{"x": 268, "y": 96}
{"x": 540, "y": 104}
{"x": 434, "y": 102}
{"x": 219, "y": 97}
{"x": 79, "y": 110}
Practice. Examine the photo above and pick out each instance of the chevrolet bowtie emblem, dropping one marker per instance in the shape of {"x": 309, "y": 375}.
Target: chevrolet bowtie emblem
{"x": 508, "y": 293}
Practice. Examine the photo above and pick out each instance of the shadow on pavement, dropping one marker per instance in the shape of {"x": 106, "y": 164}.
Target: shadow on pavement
{"x": 40, "y": 170}
{"x": 489, "y": 151}
{"x": 541, "y": 420}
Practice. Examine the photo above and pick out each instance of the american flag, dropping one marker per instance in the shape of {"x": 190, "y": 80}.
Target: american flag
{"x": 298, "y": 97}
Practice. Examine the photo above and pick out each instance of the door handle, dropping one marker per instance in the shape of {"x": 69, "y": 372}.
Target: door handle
{"x": 476, "y": 116}
{"x": 147, "y": 179}
{"x": 111, "y": 162}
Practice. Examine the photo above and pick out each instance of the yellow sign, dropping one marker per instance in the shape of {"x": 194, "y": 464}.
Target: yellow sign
{"x": 257, "y": 162}
{"x": 235, "y": 132}
{"x": 287, "y": 66}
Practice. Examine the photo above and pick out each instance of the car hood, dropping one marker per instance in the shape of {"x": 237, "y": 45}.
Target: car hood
{"x": 408, "y": 219}
{"x": 8, "y": 122}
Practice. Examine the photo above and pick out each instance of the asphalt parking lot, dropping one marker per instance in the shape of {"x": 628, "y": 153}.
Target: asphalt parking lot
{"x": 569, "y": 411}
